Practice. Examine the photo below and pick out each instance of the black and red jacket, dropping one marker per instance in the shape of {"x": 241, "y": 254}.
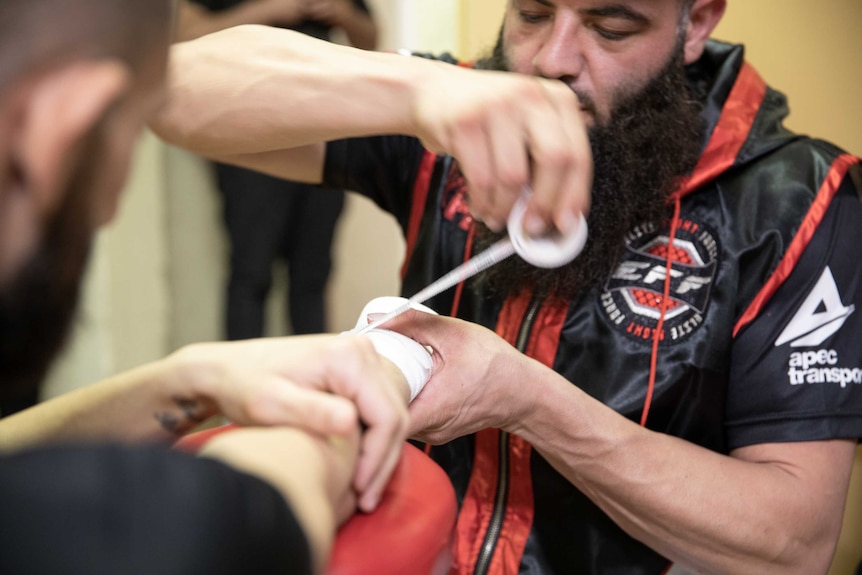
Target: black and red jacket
{"x": 744, "y": 305}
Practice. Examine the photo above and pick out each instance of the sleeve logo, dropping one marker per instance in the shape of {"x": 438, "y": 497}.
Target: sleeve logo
{"x": 820, "y": 315}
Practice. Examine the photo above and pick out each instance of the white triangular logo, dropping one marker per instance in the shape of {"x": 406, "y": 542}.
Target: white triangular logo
{"x": 810, "y": 327}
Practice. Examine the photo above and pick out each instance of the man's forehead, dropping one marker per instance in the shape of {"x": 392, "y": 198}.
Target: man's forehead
{"x": 628, "y": 9}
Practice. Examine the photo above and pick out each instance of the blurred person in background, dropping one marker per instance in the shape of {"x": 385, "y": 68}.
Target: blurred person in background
{"x": 270, "y": 219}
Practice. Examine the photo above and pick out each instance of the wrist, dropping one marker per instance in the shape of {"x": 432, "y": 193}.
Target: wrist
{"x": 408, "y": 363}
{"x": 530, "y": 402}
{"x": 403, "y": 82}
{"x": 188, "y": 373}
{"x": 293, "y": 463}
{"x": 424, "y": 80}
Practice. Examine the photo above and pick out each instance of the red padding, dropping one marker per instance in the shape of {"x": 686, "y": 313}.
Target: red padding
{"x": 409, "y": 532}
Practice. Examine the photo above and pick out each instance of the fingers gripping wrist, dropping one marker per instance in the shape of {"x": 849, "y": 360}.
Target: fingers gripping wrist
{"x": 410, "y": 357}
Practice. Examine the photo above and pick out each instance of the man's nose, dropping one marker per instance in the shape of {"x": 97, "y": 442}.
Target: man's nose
{"x": 561, "y": 54}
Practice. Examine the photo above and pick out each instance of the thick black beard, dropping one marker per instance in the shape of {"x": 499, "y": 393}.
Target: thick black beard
{"x": 653, "y": 138}
{"x": 37, "y": 307}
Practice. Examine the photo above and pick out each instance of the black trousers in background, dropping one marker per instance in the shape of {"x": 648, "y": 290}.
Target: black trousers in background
{"x": 10, "y": 406}
{"x": 269, "y": 218}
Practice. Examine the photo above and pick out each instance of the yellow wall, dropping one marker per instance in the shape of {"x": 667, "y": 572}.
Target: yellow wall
{"x": 480, "y": 22}
{"x": 812, "y": 51}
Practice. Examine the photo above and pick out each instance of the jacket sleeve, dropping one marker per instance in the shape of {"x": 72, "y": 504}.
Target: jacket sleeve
{"x": 109, "y": 510}
{"x": 797, "y": 367}
{"x": 382, "y": 168}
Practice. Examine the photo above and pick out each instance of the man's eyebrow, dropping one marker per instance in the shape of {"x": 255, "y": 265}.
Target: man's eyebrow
{"x": 610, "y": 11}
{"x": 615, "y": 11}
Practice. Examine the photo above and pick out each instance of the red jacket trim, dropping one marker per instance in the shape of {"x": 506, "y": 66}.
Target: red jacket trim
{"x": 543, "y": 343}
{"x": 730, "y": 133}
{"x": 478, "y": 505}
{"x": 479, "y": 501}
{"x": 420, "y": 195}
{"x": 803, "y": 237}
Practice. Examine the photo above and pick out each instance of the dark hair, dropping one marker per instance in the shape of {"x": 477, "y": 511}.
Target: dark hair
{"x": 40, "y": 34}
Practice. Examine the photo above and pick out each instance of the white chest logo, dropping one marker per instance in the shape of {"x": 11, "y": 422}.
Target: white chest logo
{"x": 819, "y": 316}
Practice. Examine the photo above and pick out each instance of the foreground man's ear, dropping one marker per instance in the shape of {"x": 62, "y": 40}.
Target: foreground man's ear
{"x": 48, "y": 117}
{"x": 63, "y": 108}
{"x": 704, "y": 16}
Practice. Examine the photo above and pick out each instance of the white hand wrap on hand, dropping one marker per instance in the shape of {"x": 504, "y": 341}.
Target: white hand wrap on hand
{"x": 413, "y": 359}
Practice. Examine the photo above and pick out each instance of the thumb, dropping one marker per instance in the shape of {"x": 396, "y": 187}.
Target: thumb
{"x": 425, "y": 328}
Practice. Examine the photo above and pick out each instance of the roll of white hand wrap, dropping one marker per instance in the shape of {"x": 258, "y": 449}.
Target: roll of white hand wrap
{"x": 550, "y": 250}
{"x": 410, "y": 357}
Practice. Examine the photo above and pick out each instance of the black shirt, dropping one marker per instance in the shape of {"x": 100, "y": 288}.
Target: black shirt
{"x": 310, "y": 27}
{"x": 143, "y": 510}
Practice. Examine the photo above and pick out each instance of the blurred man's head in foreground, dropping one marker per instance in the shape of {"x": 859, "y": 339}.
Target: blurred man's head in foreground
{"x": 78, "y": 80}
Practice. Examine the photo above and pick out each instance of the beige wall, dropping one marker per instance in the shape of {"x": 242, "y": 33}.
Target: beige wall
{"x": 480, "y": 22}
{"x": 125, "y": 304}
{"x": 812, "y": 51}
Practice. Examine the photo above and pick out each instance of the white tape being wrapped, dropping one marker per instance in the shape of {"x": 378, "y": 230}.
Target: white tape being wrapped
{"x": 413, "y": 359}
{"x": 547, "y": 251}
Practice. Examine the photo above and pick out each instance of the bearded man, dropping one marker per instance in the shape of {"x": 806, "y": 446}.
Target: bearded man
{"x": 679, "y": 397}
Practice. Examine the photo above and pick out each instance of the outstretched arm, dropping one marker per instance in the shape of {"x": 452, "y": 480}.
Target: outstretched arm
{"x": 249, "y": 94}
{"x": 325, "y": 384}
{"x": 771, "y": 508}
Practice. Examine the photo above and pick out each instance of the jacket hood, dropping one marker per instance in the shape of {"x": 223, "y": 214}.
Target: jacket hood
{"x": 744, "y": 116}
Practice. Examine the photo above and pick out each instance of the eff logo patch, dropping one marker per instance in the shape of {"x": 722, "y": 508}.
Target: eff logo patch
{"x": 633, "y": 297}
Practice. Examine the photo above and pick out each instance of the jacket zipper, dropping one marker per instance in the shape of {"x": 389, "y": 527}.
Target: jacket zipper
{"x": 492, "y": 535}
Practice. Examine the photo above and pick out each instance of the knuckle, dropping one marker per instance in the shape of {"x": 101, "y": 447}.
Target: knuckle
{"x": 358, "y": 349}
{"x": 512, "y": 176}
{"x": 479, "y": 204}
{"x": 471, "y": 121}
{"x": 253, "y": 408}
{"x": 562, "y": 155}
{"x": 559, "y": 91}
{"x": 557, "y": 157}
{"x": 534, "y": 89}
{"x": 365, "y": 348}
{"x": 403, "y": 421}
